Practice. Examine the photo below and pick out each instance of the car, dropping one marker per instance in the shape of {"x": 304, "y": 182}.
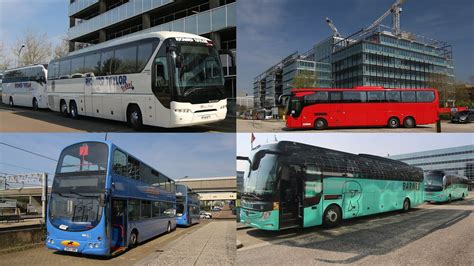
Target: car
{"x": 216, "y": 209}
{"x": 463, "y": 116}
{"x": 205, "y": 215}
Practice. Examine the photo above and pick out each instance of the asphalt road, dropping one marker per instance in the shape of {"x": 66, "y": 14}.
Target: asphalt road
{"x": 208, "y": 237}
{"x": 23, "y": 119}
{"x": 432, "y": 234}
{"x": 279, "y": 126}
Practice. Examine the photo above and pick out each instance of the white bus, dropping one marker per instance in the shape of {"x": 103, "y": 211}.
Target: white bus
{"x": 165, "y": 79}
{"x": 25, "y": 86}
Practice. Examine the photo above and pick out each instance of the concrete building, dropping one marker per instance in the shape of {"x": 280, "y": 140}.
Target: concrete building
{"x": 459, "y": 160}
{"x": 97, "y": 21}
{"x": 212, "y": 189}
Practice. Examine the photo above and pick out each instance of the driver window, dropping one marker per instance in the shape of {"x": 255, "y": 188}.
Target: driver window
{"x": 161, "y": 81}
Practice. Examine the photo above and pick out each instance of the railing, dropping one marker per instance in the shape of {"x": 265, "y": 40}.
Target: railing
{"x": 79, "y": 5}
{"x": 120, "y": 13}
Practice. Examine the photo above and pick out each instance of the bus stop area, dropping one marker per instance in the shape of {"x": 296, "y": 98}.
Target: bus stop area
{"x": 438, "y": 234}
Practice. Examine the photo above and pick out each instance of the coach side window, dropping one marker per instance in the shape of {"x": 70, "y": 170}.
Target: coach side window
{"x": 425, "y": 96}
{"x": 133, "y": 166}
{"x": 335, "y": 97}
{"x": 318, "y": 97}
{"x": 408, "y": 96}
{"x": 64, "y": 69}
{"x": 125, "y": 60}
{"x": 376, "y": 96}
{"x": 77, "y": 67}
{"x": 92, "y": 64}
{"x": 393, "y": 96}
{"x": 53, "y": 70}
{"x": 144, "y": 53}
{"x": 107, "y": 61}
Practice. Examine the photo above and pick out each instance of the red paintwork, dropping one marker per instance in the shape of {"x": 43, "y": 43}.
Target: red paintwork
{"x": 362, "y": 114}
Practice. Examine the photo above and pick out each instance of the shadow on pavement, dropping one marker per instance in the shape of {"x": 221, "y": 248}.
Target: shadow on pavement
{"x": 91, "y": 124}
{"x": 370, "y": 235}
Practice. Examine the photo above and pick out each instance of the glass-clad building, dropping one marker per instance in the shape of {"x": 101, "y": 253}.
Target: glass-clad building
{"x": 381, "y": 58}
{"x": 459, "y": 160}
{"x": 97, "y": 21}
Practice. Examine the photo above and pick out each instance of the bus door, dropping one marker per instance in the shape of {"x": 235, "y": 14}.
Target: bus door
{"x": 290, "y": 189}
{"x": 119, "y": 225}
{"x": 89, "y": 108}
{"x": 351, "y": 198}
{"x": 313, "y": 190}
{"x": 336, "y": 115}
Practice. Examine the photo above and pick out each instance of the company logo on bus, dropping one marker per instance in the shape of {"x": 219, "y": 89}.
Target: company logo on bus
{"x": 22, "y": 85}
{"x": 119, "y": 82}
{"x": 411, "y": 186}
{"x": 69, "y": 243}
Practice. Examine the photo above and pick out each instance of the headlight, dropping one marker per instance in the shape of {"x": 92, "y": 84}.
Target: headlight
{"x": 182, "y": 110}
{"x": 91, "y": 245}
{"x": 96, "y": 245}
{"x": 52, "y": 241}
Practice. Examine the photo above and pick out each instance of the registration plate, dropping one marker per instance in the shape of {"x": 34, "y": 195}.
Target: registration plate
{"x": 205, "y": 117}
{"x": 70, "y": 249}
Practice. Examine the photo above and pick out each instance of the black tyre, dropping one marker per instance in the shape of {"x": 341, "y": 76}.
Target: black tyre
{"x": 35, "y": 104}
{"x": 409, "y": 122}
{"x": 406, "y": 205}
{"x": 320, "y": 124}
{"x": 10, "y": 102}
{"x": 133, "y": 239}
{"x": 332, "y": 216}
{"x": 63, "y": 109}
{"x": 135, "y": 118}
{"x": 393, "y": 122}
{"x": 73, "y": 110}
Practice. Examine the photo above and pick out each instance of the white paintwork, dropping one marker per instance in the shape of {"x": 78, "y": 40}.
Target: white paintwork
{"x": 96, "y": 97}
{"x": 24, "y": 92}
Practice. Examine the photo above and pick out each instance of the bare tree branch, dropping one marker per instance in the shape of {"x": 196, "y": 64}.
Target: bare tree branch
{"x": 37, "y": 50}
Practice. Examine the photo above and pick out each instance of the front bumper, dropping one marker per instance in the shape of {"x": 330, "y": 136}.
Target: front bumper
{"x": 256, "y": 219}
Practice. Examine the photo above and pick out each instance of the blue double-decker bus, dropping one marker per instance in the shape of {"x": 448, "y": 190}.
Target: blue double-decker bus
{"x": 187, "y": 206}
{"x": 104, "y": 200}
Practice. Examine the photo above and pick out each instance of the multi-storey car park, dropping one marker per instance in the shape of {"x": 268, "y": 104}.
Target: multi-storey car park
{"x": 375, "y": 56}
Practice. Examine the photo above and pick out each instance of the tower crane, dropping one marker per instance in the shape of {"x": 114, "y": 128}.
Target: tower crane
{"x": 395, "y": 9}
{"x": 334, "y": 29}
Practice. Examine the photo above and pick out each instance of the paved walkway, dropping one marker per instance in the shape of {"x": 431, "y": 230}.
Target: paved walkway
{"x": 213, "y": 244}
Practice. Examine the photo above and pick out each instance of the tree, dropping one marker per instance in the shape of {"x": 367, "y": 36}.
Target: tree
{"x": 445, "y": 87}
{"x": 5, "y": 61}
{"x": 37, "y": 48}
{"x": 305, "y": 79}
{"x": 62, "y": 48}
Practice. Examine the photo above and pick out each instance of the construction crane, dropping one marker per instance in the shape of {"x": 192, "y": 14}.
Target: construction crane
{"x": 334, "y": 29}
{"x": 395, "y": 9}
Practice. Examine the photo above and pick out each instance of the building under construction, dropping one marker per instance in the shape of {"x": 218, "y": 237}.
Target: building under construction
{"x": 375, "y": 56}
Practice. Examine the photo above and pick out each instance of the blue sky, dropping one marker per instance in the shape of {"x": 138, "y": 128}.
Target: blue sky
{"x": 176, "y": 155}
{"x": 41, "y": 16}
{"x": 269, "y": 30}
{"x": 369, "y": 143}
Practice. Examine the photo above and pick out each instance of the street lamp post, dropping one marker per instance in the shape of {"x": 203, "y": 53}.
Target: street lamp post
{"x": 19, "y": 53}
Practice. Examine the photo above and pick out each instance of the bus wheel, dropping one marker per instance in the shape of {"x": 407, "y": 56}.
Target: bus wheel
{"x": 35, "y": 104}
{"x": 133, "y": 239}
{"x": 63, "y": 108}
{"x": 393, "y": 122}
{"x": 135, "y": 117}
{"x": 168, "y": 230}
{"x": 332, "y": 216}
{"x": 73, "y": 110}
{"x": 11, "y": 102}
{"x": 409, "y": 122}
{"x": 406, "y": 205}
{"x": 320, "y": 124}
